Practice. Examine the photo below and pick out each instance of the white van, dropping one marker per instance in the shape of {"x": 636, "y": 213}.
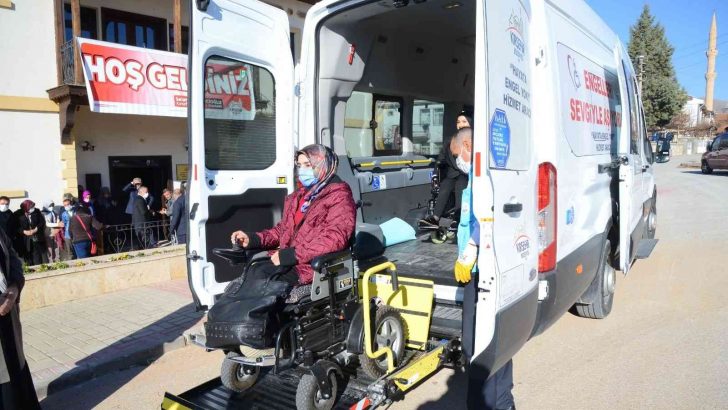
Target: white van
{"x": 563, "y": 187}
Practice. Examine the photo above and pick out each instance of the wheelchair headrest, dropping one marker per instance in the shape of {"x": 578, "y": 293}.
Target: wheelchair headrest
{"x": 368, "y": 241}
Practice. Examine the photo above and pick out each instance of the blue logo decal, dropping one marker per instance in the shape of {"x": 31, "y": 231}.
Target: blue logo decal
{"x": 500, "y": 138}
{"x": 375, "y": 184}
{"x": 570, "y": 216}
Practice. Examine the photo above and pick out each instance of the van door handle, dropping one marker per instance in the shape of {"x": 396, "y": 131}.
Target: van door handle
{"x": 512, "y": 208}
{"x": 645, "y": 168}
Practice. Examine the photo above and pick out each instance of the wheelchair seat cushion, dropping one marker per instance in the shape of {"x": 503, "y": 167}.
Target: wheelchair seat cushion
{"x": 298, "y": 293}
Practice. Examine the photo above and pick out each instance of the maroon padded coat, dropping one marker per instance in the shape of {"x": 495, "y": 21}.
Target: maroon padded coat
{"x": 327, "y": 227}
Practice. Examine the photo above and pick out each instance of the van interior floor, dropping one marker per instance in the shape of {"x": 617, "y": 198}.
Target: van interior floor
{"x": 425, "y": 260}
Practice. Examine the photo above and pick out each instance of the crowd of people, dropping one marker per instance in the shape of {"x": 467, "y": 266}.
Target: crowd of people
{"x": 74, "y": 230}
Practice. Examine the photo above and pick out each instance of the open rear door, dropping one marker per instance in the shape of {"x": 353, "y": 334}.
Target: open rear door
{"x": 505, "y": 175}
{"x": 630, "y": 178}
{"x": 240, "y": 131}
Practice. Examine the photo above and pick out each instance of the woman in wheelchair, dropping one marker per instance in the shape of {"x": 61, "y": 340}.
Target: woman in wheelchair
{"x": 318, "y": 218}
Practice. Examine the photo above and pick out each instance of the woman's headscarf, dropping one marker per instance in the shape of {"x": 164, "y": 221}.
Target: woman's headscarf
{"x": 324, "y": 163}
{"x": 468, "y": 117}
{"x": 27, "y": 205}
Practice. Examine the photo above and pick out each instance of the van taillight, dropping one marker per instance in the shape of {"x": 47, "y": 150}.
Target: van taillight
{"x": 547, "y": 213}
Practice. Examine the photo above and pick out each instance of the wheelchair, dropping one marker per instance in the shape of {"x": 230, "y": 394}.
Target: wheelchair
{"x": 346, "y": 318}
{"x": 447, "y": 227}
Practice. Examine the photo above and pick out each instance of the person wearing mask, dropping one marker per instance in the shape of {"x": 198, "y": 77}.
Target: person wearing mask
{"x": 52, "y": 231}
{"x": 178, "y": 220}
{"x": 7, "y": 219}
{"x": 83, "y": 232}
{"x": 88, "y": 202}
{"x": 168, "y": 209}
{"x": 132, "y": 188}
{"x": 16, "y": 384}
{"x": 68, "y": 211}
{"x": 494, "y": 391}
{"x": 318, "y": 218}
{"x": 31, "y": 224}
{"x": 141, "y": 217}
{"x": 452, "y": 179}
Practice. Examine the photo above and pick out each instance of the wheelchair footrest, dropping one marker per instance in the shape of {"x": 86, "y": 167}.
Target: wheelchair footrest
{"x": 260, "y": 361}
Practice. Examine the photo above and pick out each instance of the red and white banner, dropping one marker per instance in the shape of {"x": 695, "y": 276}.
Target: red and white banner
{"x": 132, "y": 80}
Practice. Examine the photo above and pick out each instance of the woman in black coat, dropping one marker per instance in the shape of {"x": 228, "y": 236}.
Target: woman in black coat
{"x": 31, "y": 227}
{"x": 16, "y": 383}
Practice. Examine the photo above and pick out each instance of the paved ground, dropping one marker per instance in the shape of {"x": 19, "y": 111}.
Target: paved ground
{"x": 77, "y": 340}
{"x": 665, "y": 345}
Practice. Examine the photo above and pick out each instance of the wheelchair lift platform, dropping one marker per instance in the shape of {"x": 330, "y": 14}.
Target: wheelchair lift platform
{"x": 278, "y": 392}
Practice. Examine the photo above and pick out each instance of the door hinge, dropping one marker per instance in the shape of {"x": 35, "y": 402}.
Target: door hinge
{"x": 297, "y": 90}
{"x": 193, "y": 256}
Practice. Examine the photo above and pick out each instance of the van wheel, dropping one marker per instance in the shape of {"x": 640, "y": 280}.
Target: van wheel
{"x": 704, "y": 168}
{"x": 652, "y": 219}
{"x": 607, "y": 275}
{"x": 391, "y": 331}
{"x": 308, "y": 394}
{"x": 236, "y": 376}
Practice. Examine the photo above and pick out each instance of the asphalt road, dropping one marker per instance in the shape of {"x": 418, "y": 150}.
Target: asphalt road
{"x": 664, "y": 346}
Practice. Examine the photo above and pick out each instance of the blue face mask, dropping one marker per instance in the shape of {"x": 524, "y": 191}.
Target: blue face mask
{"x": 305, "y": 175}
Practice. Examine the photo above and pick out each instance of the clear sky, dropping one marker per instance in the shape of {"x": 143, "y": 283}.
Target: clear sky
{"x": 686, "y": 23}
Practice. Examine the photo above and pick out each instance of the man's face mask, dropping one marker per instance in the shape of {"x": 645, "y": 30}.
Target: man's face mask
{"x": 4, "y": 207}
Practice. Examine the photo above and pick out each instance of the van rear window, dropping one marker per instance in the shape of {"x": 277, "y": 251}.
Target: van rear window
{"x": 240, "y": 116}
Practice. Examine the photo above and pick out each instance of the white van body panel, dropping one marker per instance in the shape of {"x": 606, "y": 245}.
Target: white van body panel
{"x": 217, "y": 32}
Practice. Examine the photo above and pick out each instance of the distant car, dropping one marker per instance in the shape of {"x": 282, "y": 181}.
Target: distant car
{"x": 716, "y": 156}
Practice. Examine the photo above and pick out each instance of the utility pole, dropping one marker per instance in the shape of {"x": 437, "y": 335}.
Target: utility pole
{"x": 640, "y": 71}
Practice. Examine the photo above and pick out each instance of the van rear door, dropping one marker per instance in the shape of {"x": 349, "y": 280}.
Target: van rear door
{"x": 240, "y": 131}
{"x": 631, "y": 196}
{"x": 504, "y": 191}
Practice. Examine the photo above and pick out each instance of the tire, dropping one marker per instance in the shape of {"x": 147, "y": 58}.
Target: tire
{"x": 308, "y": 396}
{"x": 391, "y": 330}
{"x": 704, "y": 168}
{"x": 652, "y": 219}
{"x": 438, "y": 236}
{"x": 606, "y": 276}
{"x": 234, "y": 377}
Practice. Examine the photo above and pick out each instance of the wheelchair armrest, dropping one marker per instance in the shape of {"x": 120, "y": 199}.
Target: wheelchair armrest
{"x": 235, "y": 255}
{"x": 319, "y": 263}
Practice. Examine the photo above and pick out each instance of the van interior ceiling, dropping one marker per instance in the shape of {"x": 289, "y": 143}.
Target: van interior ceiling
{"x": 422, "y": 51}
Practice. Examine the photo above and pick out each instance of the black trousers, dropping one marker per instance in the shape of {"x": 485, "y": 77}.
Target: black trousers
{"x": 448, "y": 186}
{"x": 493, "y": 393}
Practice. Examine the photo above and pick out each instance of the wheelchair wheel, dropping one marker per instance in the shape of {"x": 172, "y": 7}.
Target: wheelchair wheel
{"x": 391, "y": 331}
{"x": 308, "y": 395}
{"x": 439, "y": 236}
{"x": 237, "y": 377}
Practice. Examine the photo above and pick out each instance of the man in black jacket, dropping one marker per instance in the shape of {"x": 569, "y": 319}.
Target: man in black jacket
{"x": 7, "y": 219}
{"x": 178, "y": 223}
{"x": 141, "y": 218}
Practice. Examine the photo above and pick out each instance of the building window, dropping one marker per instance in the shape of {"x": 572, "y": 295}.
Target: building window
{"x": 88, "y": 23}
{"x": 427, "y": 127}
{"x": 185, "y": 38}
{"x": 133, "y": 29}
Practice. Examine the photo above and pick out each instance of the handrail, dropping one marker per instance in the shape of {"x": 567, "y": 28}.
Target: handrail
{"x": 386, "y": 266}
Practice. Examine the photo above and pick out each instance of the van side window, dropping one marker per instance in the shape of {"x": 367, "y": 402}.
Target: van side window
{"x": 387, "y": 126}
{"x": 427, "y": 127}
{"x": 372, "y": 125}
{"x": 358, "y": 134}
{"x": 240, "y": 116}
{"x": 634, "y": 122}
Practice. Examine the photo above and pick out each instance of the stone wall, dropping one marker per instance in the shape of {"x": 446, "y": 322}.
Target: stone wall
{"x": 103, "y": 276}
